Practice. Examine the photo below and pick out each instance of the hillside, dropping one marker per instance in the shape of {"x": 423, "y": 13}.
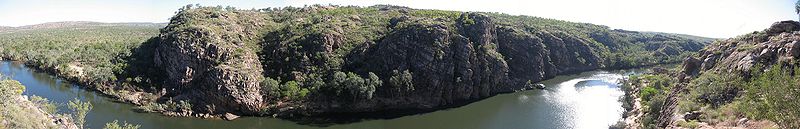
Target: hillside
{"x": 748, "y": 81}
{"x": 329, "y": 60}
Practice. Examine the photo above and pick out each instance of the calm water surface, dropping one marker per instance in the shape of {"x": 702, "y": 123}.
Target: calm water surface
{"x": 587, "y": 100}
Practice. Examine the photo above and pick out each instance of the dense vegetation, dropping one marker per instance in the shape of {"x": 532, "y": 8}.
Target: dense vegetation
{"x": 94, "y": 53}
{"x": 769, "y": 95}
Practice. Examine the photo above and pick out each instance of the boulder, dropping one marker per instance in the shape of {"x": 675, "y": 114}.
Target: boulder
{"x": 229, "y": 116}
{"x": 539, "y": 86}
{"x": 694, "y": 115}
{"x": 783, "y": 26}
{"x": 691, "y": 66}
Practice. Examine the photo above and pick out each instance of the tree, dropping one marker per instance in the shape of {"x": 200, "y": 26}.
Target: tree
{"x": 80, "y": 109}
{"x": 269, "y": 87}
{"x": 401, "y": 81}
{"x": 372, "y": 83}
{"x": 125, "y": 125}
{"x": 291, "y": 89}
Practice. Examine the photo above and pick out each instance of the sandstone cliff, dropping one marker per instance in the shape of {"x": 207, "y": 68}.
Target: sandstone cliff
{"x": 322, "y": 60}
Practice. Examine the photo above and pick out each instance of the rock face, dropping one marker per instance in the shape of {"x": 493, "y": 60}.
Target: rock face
{"x": 211, "y": 68}
{"x": 468, "y": 62}
{"x": 777, "y": 44}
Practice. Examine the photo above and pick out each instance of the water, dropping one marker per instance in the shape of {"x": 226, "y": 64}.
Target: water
{"x": 588, "y": 100}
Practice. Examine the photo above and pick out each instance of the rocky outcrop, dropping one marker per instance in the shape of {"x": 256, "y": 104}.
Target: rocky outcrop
{"x": 740, "y": 56}
{"x": 210, "y": 67}
{"x": 775, "y": 45}
{"x": 476, "y": 59}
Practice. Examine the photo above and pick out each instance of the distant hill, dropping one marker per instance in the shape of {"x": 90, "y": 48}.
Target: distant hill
{"x": 77, "y": 24}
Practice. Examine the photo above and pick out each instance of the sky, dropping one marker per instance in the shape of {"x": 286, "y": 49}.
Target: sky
{"x": 709, "y": 18}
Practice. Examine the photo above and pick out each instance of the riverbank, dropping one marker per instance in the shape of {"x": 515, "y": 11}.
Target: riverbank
{"x": 632, "y": 104}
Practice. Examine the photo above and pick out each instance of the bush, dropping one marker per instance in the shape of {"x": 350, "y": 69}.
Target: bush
{"x": 401, "y": 82}
{"x": 270, "y": 87}
{"x": 13, "y": 114}
{"x": 9, "y": 89}
{"x": 116, "y": 125}
{"x": 153, "y": 107}
{"x": 184, "y": 106}
{"x": 44, "y": 104}
{"x": 774, "y": 95}
{"x": 647, "y": 93}
{"x": 79, "y": 111}
{"x": 711, "y": 88}
{"x": 290, "y": 89}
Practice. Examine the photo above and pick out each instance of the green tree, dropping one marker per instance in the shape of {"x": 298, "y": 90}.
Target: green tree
{"x": 290, "y": 89}
{"x": 270, "y": 87}
{"x": 80, "y": 109}
{"x": 372, "y": 83}
{"x": 401, "y": 82}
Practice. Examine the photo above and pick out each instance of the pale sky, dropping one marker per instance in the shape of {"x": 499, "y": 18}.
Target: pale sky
{"x": 710, "y": 18}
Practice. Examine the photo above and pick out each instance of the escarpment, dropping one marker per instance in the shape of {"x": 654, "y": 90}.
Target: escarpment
{"x": 318, "y": 60}
{"x": 211, "y": 66}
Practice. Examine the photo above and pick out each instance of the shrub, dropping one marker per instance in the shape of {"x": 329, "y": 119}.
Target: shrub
{"x": 79, "y": 111}
{"x": 125, "y": 125}
{"x": 774, "y": 95}
{"x": 402, "y": 82}
{"x": 647, "y": 93}
{"x": 44, "y": 104}
{"x": 290, "y": 89}
{"x": 270, "y": 87}
{"x": 184, "y": 106}
{"x": 12, "y": 114}
{"x": 714, "y": 89}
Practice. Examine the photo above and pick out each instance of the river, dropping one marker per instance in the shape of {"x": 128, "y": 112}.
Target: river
{"x": 577, "y": 101}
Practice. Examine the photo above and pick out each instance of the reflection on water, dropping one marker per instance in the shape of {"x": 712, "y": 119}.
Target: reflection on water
{"x": 586, "y": 100}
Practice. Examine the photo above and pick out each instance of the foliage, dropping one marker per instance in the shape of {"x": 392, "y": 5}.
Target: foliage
{"x": 711, "y": 88}
{"x": 290, "y": 89}
{"x": 352, "y": 87}
{"x": 79, "y": 111}
{"x": 692, "y": 124}
{"x": 270, "y": 87}
{"x": 9, "y": 89}
{"x": 654, "y": 90}
{"x": 773, "y": 95}
{"x": 13, "y": 112}
{"x": 401, "y": 82}
{"x": 115, "y": 125}
{"x": 44, "y": 104}
{"x": 90, "y": 50}
{"x": 647, "y": 93}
